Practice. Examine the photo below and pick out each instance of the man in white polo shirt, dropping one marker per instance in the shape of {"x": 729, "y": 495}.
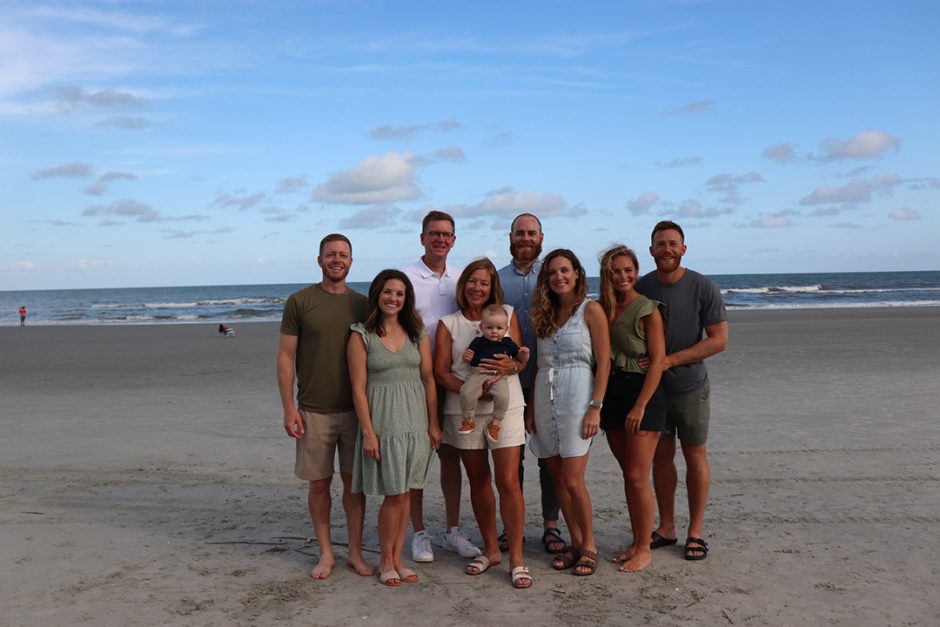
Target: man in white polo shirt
{"x": 435, "y": 285}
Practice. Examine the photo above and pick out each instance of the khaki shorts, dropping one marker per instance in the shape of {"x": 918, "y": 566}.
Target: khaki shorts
{"x": 323, "y": 434}
{"x": 687, "y": 415}
{"x": 511, "y": 431}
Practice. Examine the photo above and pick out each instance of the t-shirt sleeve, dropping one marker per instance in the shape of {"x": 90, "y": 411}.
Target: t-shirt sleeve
{"x": 512, "y": 349}
{"x": 475, "y": 344}
{"x": 290, "y": 319}
{"x": 713, "y": 305}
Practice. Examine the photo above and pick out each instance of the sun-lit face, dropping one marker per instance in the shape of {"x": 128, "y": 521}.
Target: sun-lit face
{"x": 525, "y": 239}
{"x": 438, "y": 238}
{"x": 622, "y": 274}
{"x": 392, "y": 297}
{"x": 493, "y": 327}
{"x": 477, "y": 290}
{"x": 335, "y": 260}
{"x": 562, "y": 277}
{"x": 667, "y": 250}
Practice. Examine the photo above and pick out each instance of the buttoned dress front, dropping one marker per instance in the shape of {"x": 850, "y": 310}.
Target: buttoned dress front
{"x": 563, "y": 387}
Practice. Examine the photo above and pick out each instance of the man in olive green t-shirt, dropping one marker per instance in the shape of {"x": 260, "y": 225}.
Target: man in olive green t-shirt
{"x": 312, "y": 352}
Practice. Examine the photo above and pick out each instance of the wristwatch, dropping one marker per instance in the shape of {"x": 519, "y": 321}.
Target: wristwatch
{"x": 596, "y": 404}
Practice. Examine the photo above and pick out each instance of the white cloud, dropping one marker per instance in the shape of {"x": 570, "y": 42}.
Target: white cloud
{"x": 680, "y": 162}
{"x": 770, "y": 222}
{"x": 855, "y": 191}
{"x": 410, "y": 130}
{"x": 864, "y": 145}
{"x": 693, "y": 209}
{"x": 698, "y": 106}
{"x": 125, "y": 122}
{"x": 100, "y": 187}
{"x": 508, "y": 203}
{"x": 75, "y": 96}
{"x": 371, "y": 217}
{"x": 375, "y": 180}
{"x": 225, "y": 201}
{"x": 180, "y": 234}
{"x": 136, "y": 23}
{"x": 728, "y": 184}
{"x": 126, "y": 209}
{"x": 452, "y": 153}
{"x": 903, "y": 214}
{"x": 291, "y": 185}
{"x": 73, "y": 170}
{"x": 642, "y": 204}
{"x": 21, "y": 266}
{"x": 781, "y": 153}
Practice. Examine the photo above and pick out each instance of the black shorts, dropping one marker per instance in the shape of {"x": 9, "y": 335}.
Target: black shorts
{"x": 623, "y": 388}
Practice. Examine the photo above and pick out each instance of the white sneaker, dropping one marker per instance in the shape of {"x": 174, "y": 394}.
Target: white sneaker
{"x": 421, "y": 547}
{"x": 456, "y": 541}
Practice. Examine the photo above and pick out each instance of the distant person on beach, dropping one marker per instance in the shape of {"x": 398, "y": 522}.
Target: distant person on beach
{"x": 391, "y": 371}
{"x": 435, "y": 285}
{"x": 315, "y": 329}
{"x": 694, "y": 306}
{"x": 568, "y": 390}
{"x": 494, "y": 341}
{"x": 226, "y": 330}
{"x": 22, "y": 316}
{"x": 477, "y": 289}
{"x": 518, "y": 281}
{"x": 634, "y": 411}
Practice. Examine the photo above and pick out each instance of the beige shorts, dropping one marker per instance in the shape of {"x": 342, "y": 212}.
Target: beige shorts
{"x": 512, "y": 431}
{"x": 323, "y": 435}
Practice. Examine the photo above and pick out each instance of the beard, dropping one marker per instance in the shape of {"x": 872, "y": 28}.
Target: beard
{"x": 525, "y": 252}
{"x": 668, "y": 263}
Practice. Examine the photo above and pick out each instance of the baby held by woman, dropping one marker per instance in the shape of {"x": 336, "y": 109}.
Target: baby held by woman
{"x": 493, "y": 343}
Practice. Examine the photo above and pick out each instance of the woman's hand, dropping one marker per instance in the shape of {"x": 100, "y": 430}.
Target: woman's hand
{"x": 529, "y": 419}
{"x": 592, "y": 423}
{"x": 434, "y": 433}
{"x": 634, "y": 417}
{"x": 370, "y": 447}
{"x": 502, "y": 367}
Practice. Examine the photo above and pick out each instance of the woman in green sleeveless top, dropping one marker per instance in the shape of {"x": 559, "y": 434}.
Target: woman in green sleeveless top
{"x": 634, "y": 407}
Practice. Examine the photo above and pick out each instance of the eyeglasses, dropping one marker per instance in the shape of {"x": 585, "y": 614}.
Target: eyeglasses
{"x": 445, "y": 235}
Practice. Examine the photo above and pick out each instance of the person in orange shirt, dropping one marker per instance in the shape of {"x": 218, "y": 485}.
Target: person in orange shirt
{"x": 22, "y": 316}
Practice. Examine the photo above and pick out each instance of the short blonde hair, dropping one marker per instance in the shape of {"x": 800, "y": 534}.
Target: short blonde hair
{"x": 495, "y": 311}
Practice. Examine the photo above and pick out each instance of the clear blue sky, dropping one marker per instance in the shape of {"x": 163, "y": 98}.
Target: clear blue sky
{"x": 184, "y": 143}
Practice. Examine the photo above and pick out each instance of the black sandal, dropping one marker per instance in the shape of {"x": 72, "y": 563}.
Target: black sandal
{"x": 567, "y": 559}
{"x": 696, "y": 553}
{"x": 587, "y": 562}
{"x": 552, "y": 536}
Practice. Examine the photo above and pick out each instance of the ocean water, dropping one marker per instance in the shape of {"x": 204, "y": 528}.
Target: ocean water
{"x": 249, "y": 303}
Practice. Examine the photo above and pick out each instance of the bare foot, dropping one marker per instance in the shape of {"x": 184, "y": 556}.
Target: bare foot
{"x": 638, "y": 562}
{"x": 624, "y": 555}
{"x": 360, "y": 566}
{"x": 323, "y": 568}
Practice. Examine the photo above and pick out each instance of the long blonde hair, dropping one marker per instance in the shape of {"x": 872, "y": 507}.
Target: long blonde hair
{"x": 544, "y": 300}
{"x": 608, "y": 297}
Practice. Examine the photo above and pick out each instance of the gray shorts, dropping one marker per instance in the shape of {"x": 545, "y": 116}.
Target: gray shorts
{"x": 687, "y": 415}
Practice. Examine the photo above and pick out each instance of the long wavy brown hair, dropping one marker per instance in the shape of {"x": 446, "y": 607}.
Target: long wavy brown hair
{"x": 608, "y": 296}
{"x": 408, "y": 316}
{"x": 496, "y": 290}
{"x": 545, "y": 302}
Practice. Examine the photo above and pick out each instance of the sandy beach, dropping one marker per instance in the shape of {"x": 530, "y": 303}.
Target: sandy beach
{"x": 145, "y": 479}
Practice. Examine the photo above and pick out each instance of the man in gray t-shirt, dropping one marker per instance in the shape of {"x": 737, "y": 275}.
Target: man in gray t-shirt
{"x": 696, "y": 328}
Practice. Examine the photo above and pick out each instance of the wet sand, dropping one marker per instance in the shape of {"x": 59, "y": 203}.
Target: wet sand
{"x": 145, "y": 479}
